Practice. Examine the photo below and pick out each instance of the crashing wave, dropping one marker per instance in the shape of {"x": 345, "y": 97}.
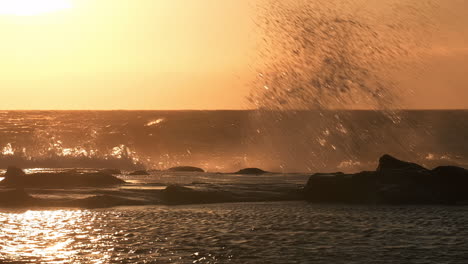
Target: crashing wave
{"x": 57, "y": 156}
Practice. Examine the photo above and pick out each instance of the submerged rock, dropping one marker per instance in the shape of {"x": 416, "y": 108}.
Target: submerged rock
{"x": 251, "y": 171}
{"x": 175, "y": 194}
{"x": 139, "y": 173}
{"x": 186, "y": 169}
{"x": 17, "y": 178}
{"x": 394, "y": 182}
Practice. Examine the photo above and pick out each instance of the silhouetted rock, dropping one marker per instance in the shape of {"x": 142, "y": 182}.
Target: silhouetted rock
{"x": 111, "y": 171}
{"x": 17, "y": 178}
{"x": 139, "y": 173}
{"x": 340, "y": 187}
{"x": 251, "y": 171}
{"x": 175, "y": 194}
{"x": 395, "y": 171}
{"x": 451, "y": 172}
{"x": 394, "y": 182}
{"x": 186, "y": 169}
{"x": 16, "y": 198}
{"x": 14, "y": 172}
{"x": 451, "y": 183}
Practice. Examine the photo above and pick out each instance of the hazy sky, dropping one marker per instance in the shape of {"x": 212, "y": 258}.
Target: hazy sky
{"x": 167, "y": 54}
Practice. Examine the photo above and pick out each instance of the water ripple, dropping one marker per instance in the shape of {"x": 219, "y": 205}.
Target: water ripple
{"x": 287, "y": 232}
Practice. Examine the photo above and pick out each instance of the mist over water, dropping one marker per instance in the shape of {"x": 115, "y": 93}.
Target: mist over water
{"x": 339, "y": 54}
{"x": 318, "y": 60}
{"x": 226, "y": 141}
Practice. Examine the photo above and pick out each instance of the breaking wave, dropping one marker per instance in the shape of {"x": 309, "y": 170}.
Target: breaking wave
{"x": 318, "y": 59}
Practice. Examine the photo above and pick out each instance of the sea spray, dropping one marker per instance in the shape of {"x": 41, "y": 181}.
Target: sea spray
{"x": 317, "y": 58}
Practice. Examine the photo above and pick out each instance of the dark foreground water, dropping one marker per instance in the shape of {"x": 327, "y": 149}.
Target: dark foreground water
{"x": 275, "y": 232}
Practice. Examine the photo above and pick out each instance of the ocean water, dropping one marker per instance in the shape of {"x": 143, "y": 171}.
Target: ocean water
{"x": 226, "y": 141}
{"x": 278, "y": 232}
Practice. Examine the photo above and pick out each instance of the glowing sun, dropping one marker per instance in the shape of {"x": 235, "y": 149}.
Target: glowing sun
{"x": 32, "y": 7}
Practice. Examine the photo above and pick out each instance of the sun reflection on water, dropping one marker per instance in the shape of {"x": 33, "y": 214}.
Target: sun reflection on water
{"x": 56, "y": 236}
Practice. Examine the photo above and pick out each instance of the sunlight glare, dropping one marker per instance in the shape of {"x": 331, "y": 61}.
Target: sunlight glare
{"x": 32, "y": 7}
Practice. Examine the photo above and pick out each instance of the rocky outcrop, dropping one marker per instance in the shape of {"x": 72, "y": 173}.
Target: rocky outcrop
{"x": 394, "y": 182}
{"x": 340, "y": 187}
{"x": 14, "y": 172}
{"x": 251, "y": 171}
{"x": 395, "y": 171}
{"x": 139, "y": 173}
{"x": 186, "y": 169}
{"x": 16, "y": 178}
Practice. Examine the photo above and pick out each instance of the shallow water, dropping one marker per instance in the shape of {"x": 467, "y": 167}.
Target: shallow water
{"x": 280, "y": 232}
{"x": 146, "y": 188}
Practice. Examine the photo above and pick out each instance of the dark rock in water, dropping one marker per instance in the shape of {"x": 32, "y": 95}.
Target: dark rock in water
{"x": 139, "y": 173}
{"x": 395, "y": 171}
{"x": 451, "y": 173}
{"x": 111, "y": 171}
{"x": 251, "y": 171}
{"x": 17, "y": 178}
{"x": 175, "y": 194}
{"x": 394, "y": 182}
{"x": 186, "y": 169}
{"x": 451, "y": 183}
{"x": 403, "y": 182}
{"x": 16, "y": 198}
{"x": 14, "y": 172}
{"x": 340, "y": 187}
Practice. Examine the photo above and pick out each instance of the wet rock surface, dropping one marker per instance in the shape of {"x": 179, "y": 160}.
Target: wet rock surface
{"x": 393, "y": 182}
{"x": 186, "y": 169}
{"x": 251, "y": 171}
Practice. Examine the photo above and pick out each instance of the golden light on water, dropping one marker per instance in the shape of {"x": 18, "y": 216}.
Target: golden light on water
{"x": 32, "y": 7}
{"x": 48, "y": 236}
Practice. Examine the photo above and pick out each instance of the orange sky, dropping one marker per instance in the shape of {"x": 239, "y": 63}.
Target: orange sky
{"x": 168, "y": 54}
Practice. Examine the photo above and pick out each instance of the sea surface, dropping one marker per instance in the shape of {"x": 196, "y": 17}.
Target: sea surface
{"x": 226, "y": 141}
{"x": 274, "y": 232}
{"x": 263, "y": 229}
